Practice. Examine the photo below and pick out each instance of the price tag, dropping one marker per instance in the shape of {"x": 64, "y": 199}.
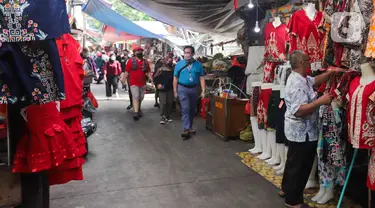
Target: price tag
{"x": 281, "y": 104}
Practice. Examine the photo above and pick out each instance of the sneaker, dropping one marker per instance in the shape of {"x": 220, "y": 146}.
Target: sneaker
{"x": 185, "y": 135}
{"x": 169, "y": 120}
{"x": 163, "y": 121}
{"x": 157, "y": 105}
{"x": 192, "y": 131}
{"x": 117, "y": 95}
{"x": 140, "y": 114}
{"x": 136, "y": 116}
{"x": 129, "y": 107}
{"x": 109, "y": 98}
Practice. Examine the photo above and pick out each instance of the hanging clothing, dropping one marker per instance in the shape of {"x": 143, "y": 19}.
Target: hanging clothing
{"x": 305, "y": 36}
{"x": 255, "y": 100}
{"x": 31, "y": 72}
{"x": 269, "y": 71}
{"x": 275, "y": 42}
{"x": 361, "y": 111}
{"x": 27, "y": 20}
{"x": 273, "y": 109}
{"x": 47, "y": 143}
{"x": 342, "y": 87}
{"x": 370, "y": 48}
{"x": 262, "y": 110}
{"x": 280, "y": 123}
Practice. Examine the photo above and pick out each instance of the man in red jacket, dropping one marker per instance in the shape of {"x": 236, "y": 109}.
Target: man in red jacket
{"x": 138, "y": 69}
{"x": 112, "y": 72}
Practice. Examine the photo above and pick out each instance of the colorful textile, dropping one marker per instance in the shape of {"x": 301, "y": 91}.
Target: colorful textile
{"x": 269, "y": 71}
{"x": 370, "y": 48}
{"x": 275, "y": 42}
{"x": 262, "y": 110}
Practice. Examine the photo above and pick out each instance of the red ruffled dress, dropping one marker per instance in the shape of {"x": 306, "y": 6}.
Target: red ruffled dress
{"x": 47, "y": 143}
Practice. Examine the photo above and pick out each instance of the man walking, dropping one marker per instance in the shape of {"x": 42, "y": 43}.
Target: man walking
{"x": 188, "y": 74}
{"x": 112, "y": 72}
{"x": 137, "y": 68}
{"x": 301, "y": 119}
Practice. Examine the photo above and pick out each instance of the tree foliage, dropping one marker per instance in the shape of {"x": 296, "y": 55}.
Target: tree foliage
{"x": 128, "y": 12}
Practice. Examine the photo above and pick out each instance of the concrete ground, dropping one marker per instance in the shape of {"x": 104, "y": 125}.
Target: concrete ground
{"x": 145, "y": 164}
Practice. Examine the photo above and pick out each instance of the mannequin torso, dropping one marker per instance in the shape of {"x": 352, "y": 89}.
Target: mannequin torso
{"x": 368, "y": 74}
{"x": 276, "y": 21}
{"x": 310, "y": 11}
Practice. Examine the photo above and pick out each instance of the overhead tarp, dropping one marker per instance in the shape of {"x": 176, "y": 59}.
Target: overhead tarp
{"x": 100, "y": 11}
{"x": 197, "y": 15}
{"x": 111, "y": 35}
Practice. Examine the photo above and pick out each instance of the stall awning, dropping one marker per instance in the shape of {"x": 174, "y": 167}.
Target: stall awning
{"x": 100, "y": 11}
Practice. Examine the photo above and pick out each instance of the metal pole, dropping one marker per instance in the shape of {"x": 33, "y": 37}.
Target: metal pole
{"x": 347, "y": 178}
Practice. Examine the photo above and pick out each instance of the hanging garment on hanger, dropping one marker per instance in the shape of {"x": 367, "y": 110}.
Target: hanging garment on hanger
{"x": 30, "y": 20}
{"x": 269, "y": 71}
{"x": 305, "y": 36}
{"x": 31, "y": 72}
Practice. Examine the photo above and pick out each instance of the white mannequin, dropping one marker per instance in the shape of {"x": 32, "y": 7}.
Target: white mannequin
{"x": 310, "y": 11}
{"x": 258, "y": 148}
{"x": 276, "y": 21}
{"x": 275, "y": 159}
{"x": 368, "y": 74}
{"x": 266, "y": 154}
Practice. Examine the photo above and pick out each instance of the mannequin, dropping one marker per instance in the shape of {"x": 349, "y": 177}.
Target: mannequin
{"x": 263, "y": 135}
{"x": 258, "y": 148}
{"x": 282, "y": 149}
{"x": 310, "y": 10}
{"x": 276, "y": 21}
{"x": 311, "y": 183}
{"x": 368, "y": 74}
{"x": 275, "y": 159}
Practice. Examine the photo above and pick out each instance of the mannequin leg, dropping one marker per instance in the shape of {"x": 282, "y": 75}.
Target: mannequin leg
{"x": 311, "y": 183}
{"x": 267, "y": 151}
{"x": 258, "y": 144}
{"x": 275, "y": 159}
{"x": 319, "y": 194}
{"x": 280, "y": 154}
{"x": 282, "y": 165}
{"x": 263, "y": 138}
{"x": 327, "y": 196}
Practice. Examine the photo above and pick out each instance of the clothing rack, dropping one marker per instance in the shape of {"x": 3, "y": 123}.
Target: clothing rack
{"x": 34, "y": 186}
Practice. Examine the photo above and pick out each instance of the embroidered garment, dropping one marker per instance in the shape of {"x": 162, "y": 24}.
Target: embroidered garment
{"x": 305, "y": 36}
{"x": 342, "y": 87}
{"x": 361, "y": 114}
{"x": 31, "y": 71}
{"x": 371, "y": 171}
{"x": 262, "y": 110}
{"x": 299, "y": 91}
{"x": 30, "y": 20}
{"x": 274, "y": 42}
{"x": 255, "y": 100}
{"x": 331, "y": 159}
{"x": 370, "y": 48}
{"x": 269, "y": 71}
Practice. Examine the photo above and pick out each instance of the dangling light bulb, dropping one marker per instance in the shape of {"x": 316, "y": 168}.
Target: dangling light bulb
{"x": 250, "y": 5}
{"x": 256, "y": 29}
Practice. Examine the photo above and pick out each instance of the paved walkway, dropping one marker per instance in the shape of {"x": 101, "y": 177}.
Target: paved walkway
{"x": 144, "y": 164}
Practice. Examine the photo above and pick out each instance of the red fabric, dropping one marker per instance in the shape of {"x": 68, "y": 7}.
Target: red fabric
{"x": 361, "y": 114}
{"x": 137, "y": 77}
{"x": 112, "y": 68}
{"x": 274, "y": 42}
{"x": 305, "y": 36}
{"x": 72, "y": 66}
{"x": 269, "y": 71}
{"x": 93, "y": 99}
{"x": 65, "y": 176}
{"x": 248, "y": 108}
{"x": 235, "y": 2}
{"x": 205, "y": 105}
{"x": 48, "y": 142}
{"x": 262, "y": 110}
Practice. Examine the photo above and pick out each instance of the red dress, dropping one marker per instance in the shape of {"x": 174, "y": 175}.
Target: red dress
{"x": 262, "y": 110}
{"x": 305, "y": 36}
{"x": 275, "y": 52}
{"x": 47, "y": 143}
{"x": 361, "y": 114}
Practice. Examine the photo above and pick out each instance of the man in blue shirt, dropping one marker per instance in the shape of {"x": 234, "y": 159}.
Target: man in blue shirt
{"x": 188, "y": 74}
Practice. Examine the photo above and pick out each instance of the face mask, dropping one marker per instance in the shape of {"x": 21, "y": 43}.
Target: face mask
{"x": 139, "y": 55}
{"x": 113, "y": 58}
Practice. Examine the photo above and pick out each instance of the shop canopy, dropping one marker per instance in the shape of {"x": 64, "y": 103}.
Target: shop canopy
{"x": 198, "y": 15}
{"x": 103, "y": 13}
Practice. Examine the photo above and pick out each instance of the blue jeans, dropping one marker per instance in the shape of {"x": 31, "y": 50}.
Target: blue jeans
{"x": 188, "y": 98}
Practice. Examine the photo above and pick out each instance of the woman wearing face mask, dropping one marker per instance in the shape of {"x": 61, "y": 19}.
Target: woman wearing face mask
{"x": 89, "y": 66}
{"x": 112, "y": 72}
{"x": 164, "y": 83}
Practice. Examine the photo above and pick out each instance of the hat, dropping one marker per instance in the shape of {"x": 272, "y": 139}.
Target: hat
{"x": 138, "y": 49}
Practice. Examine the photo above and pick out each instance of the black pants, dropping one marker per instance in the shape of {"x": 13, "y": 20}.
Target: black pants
{"x": 130, "y": 94}
{"x": 111, "y": 85}
{"x": 300, "y": 159}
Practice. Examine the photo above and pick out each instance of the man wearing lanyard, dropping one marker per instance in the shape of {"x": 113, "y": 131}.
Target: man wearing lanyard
{"x": 188, "y": 74}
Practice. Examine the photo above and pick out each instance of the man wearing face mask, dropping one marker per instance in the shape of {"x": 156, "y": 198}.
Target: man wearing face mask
{"x": 112, "y": 72}
{"x": 137, "y": 68}
{"x": 188, "y": 74}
